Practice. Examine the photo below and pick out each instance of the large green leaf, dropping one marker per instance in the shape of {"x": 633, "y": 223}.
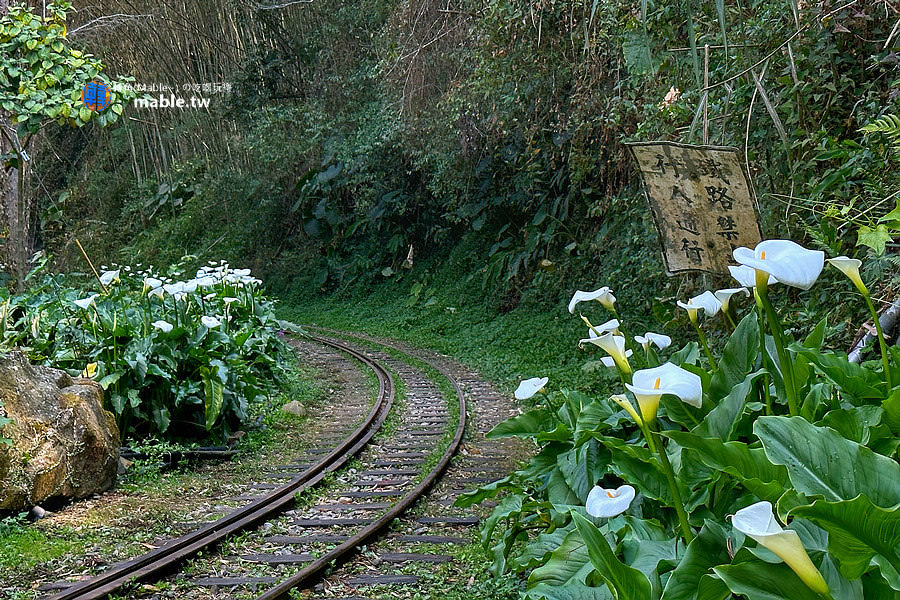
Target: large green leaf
{"x": 758, "y": 580}
{"x": 558, "y": 491}
{"x": 625, "y": 582}
{"x": 822, "y": 462}
{"x": 646, "y": 545}
{"x": 816, "y": 337}
{"x": 583, "y": 466}
{"x": 876, "y": 587}
{"x": 841, "y": 588}
{"x": 573, "y": 590}
{"x": 594, "y": 418}
{"x": 738, "y": 357}
{"x": 856, "y": 382}
{"x": 562, "y": 433}
{"x": 854, "y": 424}
{"x": 528, "y": 424}
{"x": 707, "y": 550}
{"x": 891, "y": 408}
{"x": 721, "y": 421}
{"x": 568, "y": 563}
{"x": 749, "y": 465}
{"x": 509, "y": 507}
{"x": 484, "y": 492}
{"x": 213, "y": 392}
{"x": 857, "y": 531}
{"x": 689, "y": 355}
{"x": 538, "y": 550}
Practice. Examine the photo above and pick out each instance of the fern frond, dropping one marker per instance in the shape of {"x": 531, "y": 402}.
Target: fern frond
{"x": 889, "y": 125}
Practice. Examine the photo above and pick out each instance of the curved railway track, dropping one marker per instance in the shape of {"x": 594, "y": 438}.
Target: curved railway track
{"x": 428, "y": 430}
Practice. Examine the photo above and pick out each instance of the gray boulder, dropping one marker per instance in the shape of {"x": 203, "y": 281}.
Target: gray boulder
{"x": 64, "y": 444}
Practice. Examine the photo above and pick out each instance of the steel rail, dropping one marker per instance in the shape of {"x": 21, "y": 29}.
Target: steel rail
{"x": 313, "y": 571}
{"x": 160, "y": 560}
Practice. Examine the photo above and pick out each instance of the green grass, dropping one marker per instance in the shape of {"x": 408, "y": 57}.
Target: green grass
{"x": 455, "y": 317}
{"x": 23, "y": 546}
{"x": 503, "y": 347}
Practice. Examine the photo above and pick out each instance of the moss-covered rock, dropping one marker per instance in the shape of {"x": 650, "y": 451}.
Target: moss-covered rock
{"x": 64, "y": 444}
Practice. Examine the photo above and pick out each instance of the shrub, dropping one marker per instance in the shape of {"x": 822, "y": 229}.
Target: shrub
{"x": 179, "y": 357}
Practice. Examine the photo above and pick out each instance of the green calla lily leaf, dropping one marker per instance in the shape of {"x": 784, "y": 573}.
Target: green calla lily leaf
{"x": 821, "y": 462}
{"x": 625, "y": 582}
{"x": 758, "y": 580}
{"x": 857, "y": 531}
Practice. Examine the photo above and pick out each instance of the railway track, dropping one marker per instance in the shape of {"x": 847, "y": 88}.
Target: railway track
{"x": 389, "y": 478}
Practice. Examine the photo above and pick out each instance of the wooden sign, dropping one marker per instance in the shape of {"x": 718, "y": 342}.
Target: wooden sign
{"x": 702, "y": 204}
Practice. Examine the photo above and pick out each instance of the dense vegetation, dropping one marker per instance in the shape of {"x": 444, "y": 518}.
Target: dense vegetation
{"x": 354, "y": 133}
{"x": 178, "y": 356}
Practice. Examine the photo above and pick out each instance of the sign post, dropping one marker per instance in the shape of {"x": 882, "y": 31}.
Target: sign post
{"x": 702, "y": 203}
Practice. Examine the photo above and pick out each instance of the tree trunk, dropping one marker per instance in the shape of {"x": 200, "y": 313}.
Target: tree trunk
{"x": 12, "y": 205}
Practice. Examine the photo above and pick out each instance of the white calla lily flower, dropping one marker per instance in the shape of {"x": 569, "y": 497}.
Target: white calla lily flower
{"x": 158, "y": 292}
{"x": 788, "y": 262}
{"x": 603, "y": 295}
{"x": 746, "y": 276}
{"x": 85, "y": 303}
{"x": 206, "y": 281}
{"x": 707, "y": 302}
{"x": 850, "y": 268}
{"x": 609, "y": 361}
{"x": 210, "y": 322}
{"x": 108, "y": 277}
{"x": 595, "y": 331}
{"x": 605, "y": 503}
{"x": 758, "y": 522}
{"x": 151, "y": 283}
{"x": 622, "y": 400}
{"x": 229, "y": 300}
{"x": 649, "y": 385}
{"x": 163, "y": 326}
{"x": 173, "y": 288}
{"x": 725, "y": 296}
{"x": 530, "y": 387}
{"x": 657, "y": 339}
{"x": 614, "y": 345}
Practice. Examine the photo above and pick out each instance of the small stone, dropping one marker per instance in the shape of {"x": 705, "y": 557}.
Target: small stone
{"x": 236, "y": 437}
{"x": 36, "y": 513}
{"x": 124, "y": 465}
{"x": 295, "y": 408}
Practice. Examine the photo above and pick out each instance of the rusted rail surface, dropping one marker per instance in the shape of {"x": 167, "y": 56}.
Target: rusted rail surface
{"x": 341, "y": 553}
{"x": 165, "y": 558}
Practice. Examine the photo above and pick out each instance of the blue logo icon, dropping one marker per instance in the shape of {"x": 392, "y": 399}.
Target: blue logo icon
{"x": 96, "y": 95}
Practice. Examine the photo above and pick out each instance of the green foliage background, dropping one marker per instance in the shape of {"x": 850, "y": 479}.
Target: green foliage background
{"x": 355, "y": 132}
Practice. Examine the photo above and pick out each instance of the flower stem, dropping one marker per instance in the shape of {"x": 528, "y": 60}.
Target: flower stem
{"x": 686, "y": 530}
{"x": 648, "y": 435}
{"x": 709, "y": 356}
{"x": 729, "y": 319}
{"x": 881, "y": 341}
{"x": 787, "y": 368}
{"x": 763, "y": 357}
